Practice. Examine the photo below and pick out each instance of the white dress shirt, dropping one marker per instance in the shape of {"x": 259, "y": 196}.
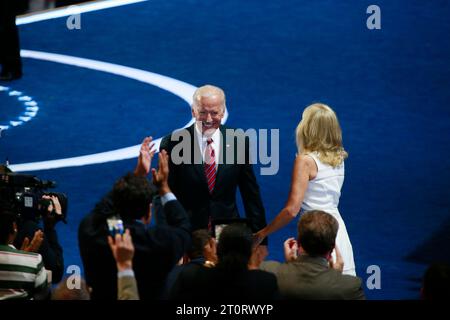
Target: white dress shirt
{"x": 202, "y": 141}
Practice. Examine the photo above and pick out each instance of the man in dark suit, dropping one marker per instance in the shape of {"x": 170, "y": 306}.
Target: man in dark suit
{"x": 157, "y": 249}
{"x": 313, "y": 275}
{"x": 202, "y": 253}
{"x": 208, "y": 162}
{"x": 9, "y": 39}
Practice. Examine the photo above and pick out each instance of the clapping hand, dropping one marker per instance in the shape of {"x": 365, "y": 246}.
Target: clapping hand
{"x": 161, "y": 176}
{"x": 146, "y": 154}
{"x": 35, "y": 243}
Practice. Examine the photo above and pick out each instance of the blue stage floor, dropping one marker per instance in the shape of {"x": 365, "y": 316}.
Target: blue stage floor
{"x": 389, "y": 87}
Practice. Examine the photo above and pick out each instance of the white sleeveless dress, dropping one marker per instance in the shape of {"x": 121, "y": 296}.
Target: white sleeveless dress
{"x": 323, "y": 194}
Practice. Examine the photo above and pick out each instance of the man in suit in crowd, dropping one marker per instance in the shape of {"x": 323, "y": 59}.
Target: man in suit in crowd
{"x": 312, "y": 275}
{"x": 202, "y": 253}
{"x": 157, "y": 249}
{"x": 208, "y": 162}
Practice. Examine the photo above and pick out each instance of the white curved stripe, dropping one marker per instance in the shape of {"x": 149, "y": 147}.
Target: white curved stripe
{"x": 119, "y": 154}
{"x": 74, "y": 9}
{"x": 179, "y": 88}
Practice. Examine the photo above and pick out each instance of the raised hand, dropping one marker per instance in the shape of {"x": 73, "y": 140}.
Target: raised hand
{"x": 290, "y": 249}
{"x": 123, "y": 250}
{"x": 35, "y": 242}
{"x": 339, "y": 263}
{"x": 146, "y": 154}
{"x": 161, "y": 176}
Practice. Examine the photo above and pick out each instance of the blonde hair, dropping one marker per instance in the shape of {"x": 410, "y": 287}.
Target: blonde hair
{"x": 319, "y": 131}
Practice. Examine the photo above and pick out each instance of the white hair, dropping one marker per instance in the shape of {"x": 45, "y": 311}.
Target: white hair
{"x": 205, "y": 92}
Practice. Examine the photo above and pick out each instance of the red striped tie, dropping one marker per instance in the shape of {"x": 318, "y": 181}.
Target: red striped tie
{"x": 210, "y": 166}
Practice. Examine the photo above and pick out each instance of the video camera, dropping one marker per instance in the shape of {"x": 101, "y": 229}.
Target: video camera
{"x": 24, "y": 193}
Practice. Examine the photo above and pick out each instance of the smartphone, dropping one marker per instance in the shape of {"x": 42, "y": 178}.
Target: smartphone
{"x": 115, "y": 226}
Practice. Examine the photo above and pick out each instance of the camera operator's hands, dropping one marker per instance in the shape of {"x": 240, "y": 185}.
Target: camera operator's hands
{"x": 161, "y": 177}
{"x": 35, "y": 243}
{"x": 145, "y": 158}
{"x": 123, "y": 250}
{"x": 53, "y": 211}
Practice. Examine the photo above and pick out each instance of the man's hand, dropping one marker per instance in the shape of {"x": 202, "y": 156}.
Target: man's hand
{"x": 339, "y": 263}
{"x": 145, "y": 158}
{"x": 35, "y": 242}
{"x": 123, "y": 250}
{"x": 161, "y": 177}
{"x": 290, "y": 249}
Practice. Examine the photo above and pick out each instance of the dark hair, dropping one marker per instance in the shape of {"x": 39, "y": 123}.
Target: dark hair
{"x": 436, "y": 282}
{"x": 317, "y": 232}
{"x": 7, "y": 219}
{"x": 132, "y": 196}
{"x": 199, "y": 239}
{"x": 234, "y": 248}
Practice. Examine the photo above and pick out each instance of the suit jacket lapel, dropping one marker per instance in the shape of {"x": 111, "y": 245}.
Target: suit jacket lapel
{"x": 196, "y": 155}
{"x": 222, "y": 156}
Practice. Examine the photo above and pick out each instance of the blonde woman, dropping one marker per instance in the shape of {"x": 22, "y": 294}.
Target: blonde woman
{"x": 317, "y": 176}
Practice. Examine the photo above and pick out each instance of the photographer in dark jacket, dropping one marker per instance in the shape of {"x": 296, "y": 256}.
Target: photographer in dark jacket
{"x": 50, "y": 249}
{"x": 157, "y": 249}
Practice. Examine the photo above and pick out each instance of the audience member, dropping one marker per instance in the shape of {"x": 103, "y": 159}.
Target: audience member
{"x": 123, "y": 251}
{"x": 50, "y": 248}
{"x": 231, "y": 279}
{"x": 157, "y": 249}
{"x": 309, "y": 271}
{"x": 23, "y": 274}
{"x": 202, "y": 253}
